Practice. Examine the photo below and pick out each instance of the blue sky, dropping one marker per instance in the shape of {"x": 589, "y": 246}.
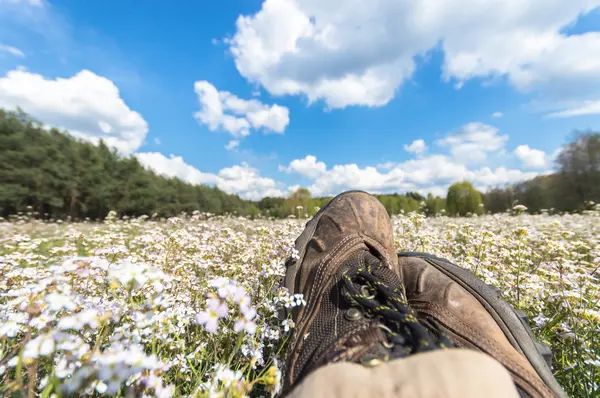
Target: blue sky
{"x": 259, "y": 97}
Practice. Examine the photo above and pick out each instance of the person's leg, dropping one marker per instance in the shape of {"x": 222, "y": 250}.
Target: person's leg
{"x": 449, "y": 374}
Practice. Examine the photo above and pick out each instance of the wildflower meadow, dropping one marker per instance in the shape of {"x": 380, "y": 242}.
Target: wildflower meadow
{"x": 191, "y": 305}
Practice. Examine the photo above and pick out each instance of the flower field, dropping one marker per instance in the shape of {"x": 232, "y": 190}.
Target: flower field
{"x": 189, "y": 306}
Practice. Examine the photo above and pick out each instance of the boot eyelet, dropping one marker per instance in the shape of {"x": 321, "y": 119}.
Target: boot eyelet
{"x": 353, "y": 314}
{"x": 348, "y": 297}
{"x": 365, "y": 292}
{"x": 385, "y": 328}
{"x": 387, "y": 344}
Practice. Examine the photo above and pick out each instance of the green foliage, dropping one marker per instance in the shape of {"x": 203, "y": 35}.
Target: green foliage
{"x": 579, "y": 164}
{"x": 56, "y": 176}
{"x": 320, "y": 202}
{"x": 463, "y": 199}
{"x": 499, "y": 200}
{"x": 415, "y": 195}
{"x": 576, "y": 182}
{"x": 272, "y": 207}
{"x": 434, "y": 205}
{"x": 300, "y": 203}
{"x": 398, "y": 204}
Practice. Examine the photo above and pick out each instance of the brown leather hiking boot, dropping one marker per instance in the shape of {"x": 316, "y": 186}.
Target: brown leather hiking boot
{"x": 356, "y": 309}
{"x": 475, "y": 316}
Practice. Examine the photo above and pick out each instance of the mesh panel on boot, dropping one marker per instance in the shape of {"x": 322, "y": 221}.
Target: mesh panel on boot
{"x": 332, "y": 336}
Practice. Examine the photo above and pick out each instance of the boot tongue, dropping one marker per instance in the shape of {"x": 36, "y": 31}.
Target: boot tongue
{"x": 367, "y": 345}
{"x": 363, "y": 261}
{"x": 367, "y": 342}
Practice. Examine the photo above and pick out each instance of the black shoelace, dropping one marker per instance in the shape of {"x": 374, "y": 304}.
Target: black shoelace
{"x": 407, "y": 334}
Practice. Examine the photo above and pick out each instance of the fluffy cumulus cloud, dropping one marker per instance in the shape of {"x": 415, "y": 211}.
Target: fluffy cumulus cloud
{"x": 308, "y": 167}
{"x": 432, "y": 173}
{"x": 241, "y": 179}
{"x": 351, "y": 176}
{"x": 531, "y": 158}
{"x": 425, "y": 173}
{"x": 87, "y": 105}
{"x": 473, "y": 142}
{"x": 221, "y": 110}
{"x": 486, "y": 177}
{"x": 247, "y": 182}
{"x": 417, "y": 147}
{"x": 355, "y": 53}
{"x": 174, "y": 166}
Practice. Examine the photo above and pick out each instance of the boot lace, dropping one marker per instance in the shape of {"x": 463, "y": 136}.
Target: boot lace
{"x": 407, "y": 335}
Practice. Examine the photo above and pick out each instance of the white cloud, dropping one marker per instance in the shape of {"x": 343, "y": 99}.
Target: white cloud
{"x": 87, "y": 105}
{"x": 293, "y": 188}
{"x": 223, "y": 110}
{"x": 11, "y": 50}
{"x": 174, "y": 166}
{"x": 247, "y": 182}
{"x": 356, "y": 53}
{"x": 417, "y": 147}
{"x": 350, "y": 176}
{"x": 585, "y": 108}
{"x": 232, "y": 145}
{"x": 430, "y": 174}
{"x": 386, "y": 165}
{"x": 157, "y": 141}
{"x": 486, "y": 177}
{"x": 241, "y": 179}
{"x": 497, "y": 115}
{"x": 433, "y": 174}
{"x": 531, "y": 158}
{"x": 473, "y": 141}
{"x": 308, "y": 167}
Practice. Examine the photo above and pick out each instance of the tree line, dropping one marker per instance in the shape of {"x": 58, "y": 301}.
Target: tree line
{"x": 575, "y": 185}
{"x": 52, "y": 175}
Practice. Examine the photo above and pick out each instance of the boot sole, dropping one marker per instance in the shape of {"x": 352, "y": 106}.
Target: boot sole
{"x": 514, "y": 323}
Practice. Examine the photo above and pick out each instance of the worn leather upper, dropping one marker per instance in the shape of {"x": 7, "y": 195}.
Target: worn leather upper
{"x": 350, "y": 221}
{"x": 432, "y": 293}
{"x": 351, "y": 224}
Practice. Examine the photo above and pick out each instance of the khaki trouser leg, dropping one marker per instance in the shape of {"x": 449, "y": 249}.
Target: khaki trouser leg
{"x": 448, "y": 373}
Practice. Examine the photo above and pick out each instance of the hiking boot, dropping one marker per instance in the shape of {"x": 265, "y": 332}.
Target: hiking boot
{"x": 475, "y": 316}
{"x": 355, "y": 307}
